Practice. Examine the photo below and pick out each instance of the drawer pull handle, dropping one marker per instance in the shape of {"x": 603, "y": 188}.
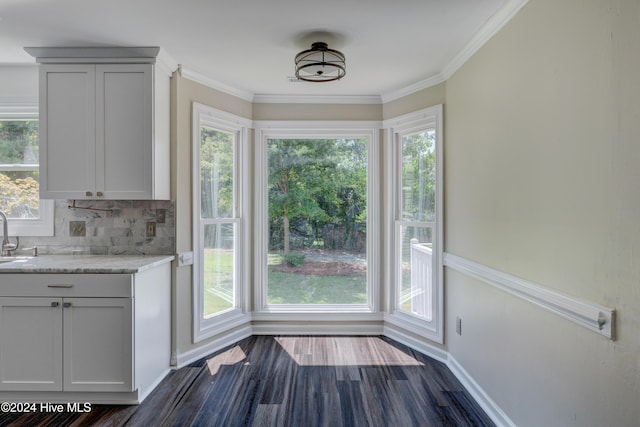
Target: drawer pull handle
{"x": 66, "y": 304}
{"x": 60, "y": 286}
{"x": 55, "y": 304}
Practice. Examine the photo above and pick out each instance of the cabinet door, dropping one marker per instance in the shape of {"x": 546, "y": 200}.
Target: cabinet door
{"x": 97, "y": 343}
{"x": 67, "y": 131}
{"x": 31, "y": 344}
{"x": 124, "y": 125}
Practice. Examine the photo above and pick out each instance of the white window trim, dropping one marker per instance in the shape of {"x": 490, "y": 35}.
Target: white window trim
{"x": 311, "y": 129}
{"x": 19, "y": 109}
{"x": 239, "y": 314}
{"x": 396, "y": 127}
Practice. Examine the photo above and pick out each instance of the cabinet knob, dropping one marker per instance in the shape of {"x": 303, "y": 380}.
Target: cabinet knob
{"x": 88, "y": 194}
{"x": 55, "y": 304}
{"x": 99, "y": 194}
{"x": 66, "y": 304}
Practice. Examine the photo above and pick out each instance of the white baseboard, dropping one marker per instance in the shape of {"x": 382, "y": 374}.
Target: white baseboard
{"x": 144, "y": 393}
{"x": 494, "y": 412}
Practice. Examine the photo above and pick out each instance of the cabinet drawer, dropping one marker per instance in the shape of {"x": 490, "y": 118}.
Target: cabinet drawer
{"x": 67, "y": 285}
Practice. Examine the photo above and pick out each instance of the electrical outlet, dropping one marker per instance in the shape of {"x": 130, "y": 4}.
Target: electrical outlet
{"x": 151, "y": 229}
{"x": 458, "y": 326}
{"x": 185, "y": 258}
{"x": 77, "y": 228}
{"x": 161, "y": 216}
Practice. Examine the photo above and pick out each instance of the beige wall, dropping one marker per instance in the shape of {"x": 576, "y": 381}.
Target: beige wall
{"x": 183, "y": 93}
{"x": 542, "y": 131}
{"x": 317, "y": 112}
{"x": 434, "y": 95}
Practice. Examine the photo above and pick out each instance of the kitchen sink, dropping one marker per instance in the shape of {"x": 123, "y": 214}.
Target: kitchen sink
{"x": 14, "y": 258}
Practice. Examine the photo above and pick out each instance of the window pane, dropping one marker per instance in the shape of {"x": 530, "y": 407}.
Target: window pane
{"x": 419, "y": 176}
{"x": 216, "y": 173}
{"x": 19, "y": 175}
{"x": 417, "y": 266}
{"x": 317, "y": 221}
{"x": 219, "y": 254}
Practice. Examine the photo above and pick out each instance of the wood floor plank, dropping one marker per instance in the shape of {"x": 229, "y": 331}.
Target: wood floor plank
{"x": 315, "y": 399}
{"x": 293, "y": 381}
{"x": 351, "y": 397}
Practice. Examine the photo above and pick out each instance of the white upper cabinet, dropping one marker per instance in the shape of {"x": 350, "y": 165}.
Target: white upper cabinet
{"x": 104, "y": 124}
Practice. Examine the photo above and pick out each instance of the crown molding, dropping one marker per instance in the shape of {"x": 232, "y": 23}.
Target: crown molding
{"x": 98, "y": 54}
{"x": 166, "y": 63}
{"x": 408, "y": 90}
{"x": 488, "y": 30}
{"x": 104, "y": 54}
{"x": 316, "y": 99}
{"x": 214, "y": 84}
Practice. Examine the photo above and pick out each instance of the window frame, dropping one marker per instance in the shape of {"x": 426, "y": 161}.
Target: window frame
{"x": 266, "y": 130}
{"x": 44, "y": 225}
{"x": 409, "y": 124}
{"x": 204, "y": 328}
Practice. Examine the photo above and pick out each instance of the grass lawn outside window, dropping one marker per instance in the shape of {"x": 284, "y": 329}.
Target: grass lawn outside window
{"x": 292, "y": 287}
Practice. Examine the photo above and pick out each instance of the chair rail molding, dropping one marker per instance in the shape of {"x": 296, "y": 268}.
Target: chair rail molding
{"x": 595, "y": 317}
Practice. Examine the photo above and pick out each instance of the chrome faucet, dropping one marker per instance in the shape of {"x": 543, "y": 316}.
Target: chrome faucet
{"x": 7, "y": 247}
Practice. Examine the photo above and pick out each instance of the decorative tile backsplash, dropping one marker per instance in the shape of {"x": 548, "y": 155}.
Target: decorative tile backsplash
{"x": 116, "y": 227}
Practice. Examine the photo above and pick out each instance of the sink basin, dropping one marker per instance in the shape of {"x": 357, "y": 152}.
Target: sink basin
{"x": 14, "y": 258}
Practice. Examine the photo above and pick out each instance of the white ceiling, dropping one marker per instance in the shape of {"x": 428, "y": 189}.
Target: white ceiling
{"x": 248, "y": 46}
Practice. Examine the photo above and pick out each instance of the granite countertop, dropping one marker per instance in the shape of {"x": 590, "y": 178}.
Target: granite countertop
{"x": 91, "y": 264}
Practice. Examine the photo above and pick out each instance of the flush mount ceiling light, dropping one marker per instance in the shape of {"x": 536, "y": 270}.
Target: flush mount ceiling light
{"x": 320, "y": 64}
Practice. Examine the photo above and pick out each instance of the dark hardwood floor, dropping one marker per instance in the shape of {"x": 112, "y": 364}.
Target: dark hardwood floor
{"x": 294, "y": 381}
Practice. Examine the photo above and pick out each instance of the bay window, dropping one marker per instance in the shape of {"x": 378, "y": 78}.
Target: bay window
{"x": 317, "y": 244}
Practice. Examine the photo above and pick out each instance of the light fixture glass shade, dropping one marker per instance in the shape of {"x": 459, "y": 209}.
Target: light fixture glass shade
{"x": 320, "y": 64}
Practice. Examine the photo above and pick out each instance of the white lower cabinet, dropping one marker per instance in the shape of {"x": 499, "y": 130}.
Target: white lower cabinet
{"x": 66, "y": 344}
{"x": 97, "y": 344}
{"x": 72, "y": 337}
{"x": 31, "y": 344}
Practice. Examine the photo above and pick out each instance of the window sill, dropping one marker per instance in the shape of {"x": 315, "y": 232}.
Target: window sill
{"x": 301, "y": 316}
